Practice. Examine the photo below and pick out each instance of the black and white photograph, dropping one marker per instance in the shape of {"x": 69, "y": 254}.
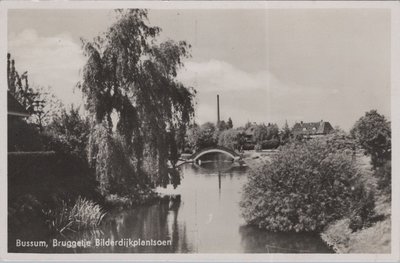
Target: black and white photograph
{"x": 200, "y": 129}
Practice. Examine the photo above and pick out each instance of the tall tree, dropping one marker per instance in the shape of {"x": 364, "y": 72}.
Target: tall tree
{"x": 285, "y": 135}
{"x": 230, "y": 123}
{"x": 129, "y": 74}
{"x": 373, "y": 133}
{"x": 18, "y": 86}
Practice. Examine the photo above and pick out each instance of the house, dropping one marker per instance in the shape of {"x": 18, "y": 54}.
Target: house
{"x": 311, "y": 129}
{"x": 14, "y": 108}
{"x": 17, "y": 128}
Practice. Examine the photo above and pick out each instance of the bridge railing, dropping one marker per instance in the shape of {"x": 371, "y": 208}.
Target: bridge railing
{"x": 222, "y": 148}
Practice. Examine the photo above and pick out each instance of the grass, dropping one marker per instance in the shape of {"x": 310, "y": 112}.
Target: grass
{"x": 84, "y": 214}
{"x": 374, "y": 239}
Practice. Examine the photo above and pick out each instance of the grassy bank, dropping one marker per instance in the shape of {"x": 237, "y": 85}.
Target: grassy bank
{"x": 374, "y": 239}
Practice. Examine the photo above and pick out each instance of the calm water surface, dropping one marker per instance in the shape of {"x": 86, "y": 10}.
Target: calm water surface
{"x": 202, "y": 216}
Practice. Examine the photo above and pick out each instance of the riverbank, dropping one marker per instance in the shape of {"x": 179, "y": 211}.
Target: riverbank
{"x": 374, "y": 239}
{"x": 338, "y": 235}
{"x": 255, "y": 159}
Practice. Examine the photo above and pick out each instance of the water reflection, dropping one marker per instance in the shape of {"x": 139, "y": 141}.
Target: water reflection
{"x": 201, "y": 215}
{"x": 256, "y": 241}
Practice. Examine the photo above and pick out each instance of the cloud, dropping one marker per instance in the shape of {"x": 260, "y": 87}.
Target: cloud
{"x": 254, "y": 96}
{"x": 50, "y": 61}
{"x": 216, "y": 75}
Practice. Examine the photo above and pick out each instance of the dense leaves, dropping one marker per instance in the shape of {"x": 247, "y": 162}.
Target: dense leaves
{"x": 304, "y": 187}
{"x": 373, "y": 133}
{"x": 232, "y": 139}
{"x": 71, "y": 130}
{"x": 264, "y": 132}
{"x": 139, "y": 111}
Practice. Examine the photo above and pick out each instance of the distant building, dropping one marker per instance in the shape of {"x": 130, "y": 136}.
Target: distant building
{"x": 311, "y": 129}
{"x": 14, "y": 108}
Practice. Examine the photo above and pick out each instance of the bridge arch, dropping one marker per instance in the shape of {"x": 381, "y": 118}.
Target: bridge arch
{"x": 218, "y": 149}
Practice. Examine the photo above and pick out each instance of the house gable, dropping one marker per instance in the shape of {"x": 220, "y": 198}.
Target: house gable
{"x": 312, "y": 128}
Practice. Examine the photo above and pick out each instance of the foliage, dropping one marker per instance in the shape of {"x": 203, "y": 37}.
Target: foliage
{"x": 384, "y": 174}
{"x": 222, "y": 125}
{"x": 135, "y": 197}
{"x": 258, "y": 147}
{"x": 230, "y": 123}
{"x": 126, "y": 73}
{"x": 248, "y": 125}
{"x": 71, "y": 130}
{"x": 373, "y": 133}
{"x": 82, "y": 215}
{"x": 203, "y": 136}
{"x": 23, "y": 136}
{"x": 342, "y": 142}
{"x": 18, "y": 86}
{"x": 47, "y": 107}
{"x": 232, "y": 139}
{"x": 264, "y": 132}
{"x": 45, "y": 173}
{"x": 270, "y": 144}
{"x": 24, "y": 211}
{"x": 304, "y": 187}
{"x": 285, "y": 134}
{"x": 192, "y": 137}
{"x": 362, "y": 211}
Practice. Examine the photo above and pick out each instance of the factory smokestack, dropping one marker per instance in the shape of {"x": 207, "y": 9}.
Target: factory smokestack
{"x": 218, "y": 119}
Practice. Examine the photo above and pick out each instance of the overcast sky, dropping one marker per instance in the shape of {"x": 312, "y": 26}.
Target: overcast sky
{"x": 267, "y": 65}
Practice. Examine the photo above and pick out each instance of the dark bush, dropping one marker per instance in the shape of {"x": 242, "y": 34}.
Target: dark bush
{"x": 45, "y": 173}
{"x": 362, "y": 209}
{"x": 23, "y": 136}
{"x": 303, "y": 188}
{"x": 270, "y": 144}
{"x": 373, "y": 133}
{"x": 248, "y": 146}
{"x": 384, "y": 175}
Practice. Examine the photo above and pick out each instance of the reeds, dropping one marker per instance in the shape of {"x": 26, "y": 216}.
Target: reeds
{"x": 83, "y": 215}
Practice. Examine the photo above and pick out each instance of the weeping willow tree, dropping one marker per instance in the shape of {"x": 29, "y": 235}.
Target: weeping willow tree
{"x": 139, "y": 111}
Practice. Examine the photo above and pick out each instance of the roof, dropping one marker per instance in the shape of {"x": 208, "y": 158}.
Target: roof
{"x": 322, "y": 127}
{"x": 14, "y": 108}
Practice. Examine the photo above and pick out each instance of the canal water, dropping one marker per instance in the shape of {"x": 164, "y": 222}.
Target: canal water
{"x": 202, "y": 215}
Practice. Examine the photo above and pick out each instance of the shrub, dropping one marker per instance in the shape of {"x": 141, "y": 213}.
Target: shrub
{"x": 384, "y": 174}
{"x": 373, "y": 133}
{"x": 69, "y": 132}
{"x": 305, "y": 186}
{"x": 24, "y": 213}
{"x": 248, "y": 146}
{"x": 362, "y": 209}
{"x": 233, "y": 139}
{"x": 84, "y": 214}
{"x": 270, "y": 144}
{"x": 258, "y": 147}
{"x": 45, "y": 173}
{"x": 23, "y": 136}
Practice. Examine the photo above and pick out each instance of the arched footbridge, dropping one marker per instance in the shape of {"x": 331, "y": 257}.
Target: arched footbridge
{"x": 218, "y": 149}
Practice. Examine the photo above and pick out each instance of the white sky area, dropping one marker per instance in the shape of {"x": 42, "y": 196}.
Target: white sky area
{"x": 266, "y": 65}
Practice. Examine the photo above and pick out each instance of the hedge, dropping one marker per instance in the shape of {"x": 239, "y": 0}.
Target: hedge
{"x": 45, "y": 173}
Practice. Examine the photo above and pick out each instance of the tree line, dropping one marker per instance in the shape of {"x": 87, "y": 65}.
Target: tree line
{"x": 251, "y": 136}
